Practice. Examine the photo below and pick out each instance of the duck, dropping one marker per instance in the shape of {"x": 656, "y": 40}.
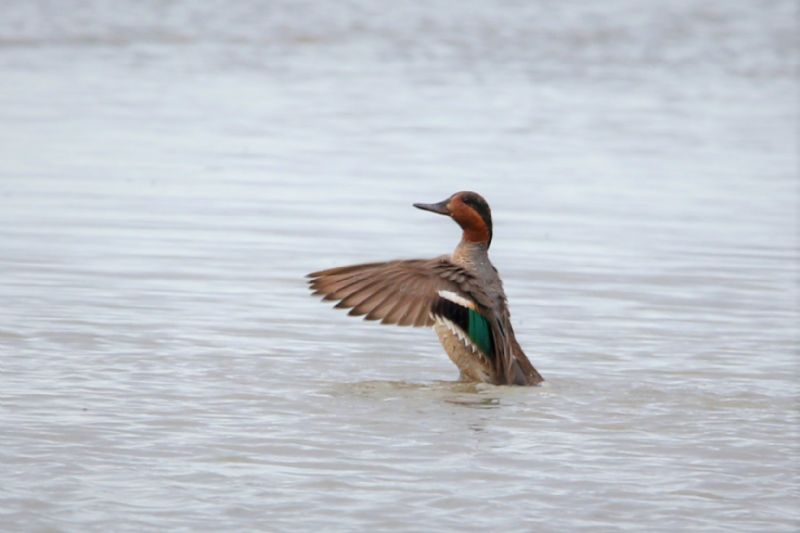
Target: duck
{"x": 459, "y": 295}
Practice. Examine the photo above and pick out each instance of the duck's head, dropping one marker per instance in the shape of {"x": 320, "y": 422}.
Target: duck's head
{"x": 470, "y": 211}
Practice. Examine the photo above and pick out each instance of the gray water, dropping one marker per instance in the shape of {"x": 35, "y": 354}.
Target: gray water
{"x": 171, "y": 170}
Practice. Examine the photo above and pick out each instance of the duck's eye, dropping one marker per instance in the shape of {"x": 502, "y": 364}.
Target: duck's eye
{"x": 470, "y": 201}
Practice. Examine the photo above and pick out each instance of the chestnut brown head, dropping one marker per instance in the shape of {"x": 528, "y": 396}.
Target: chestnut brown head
{"x": 470, "y": 211}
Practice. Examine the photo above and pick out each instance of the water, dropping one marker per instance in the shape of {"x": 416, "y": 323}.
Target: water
{"x": 170, "y": 172}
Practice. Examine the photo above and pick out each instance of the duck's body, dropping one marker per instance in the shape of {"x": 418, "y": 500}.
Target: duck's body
{"x": 460, "y": 295}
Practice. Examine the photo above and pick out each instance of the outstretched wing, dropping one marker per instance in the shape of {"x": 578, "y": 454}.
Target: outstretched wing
{"x": 394, "y": 292}
{"x": 418, "y": 292}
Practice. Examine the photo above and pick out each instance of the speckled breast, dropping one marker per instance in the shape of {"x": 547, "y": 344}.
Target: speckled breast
{"x": 466, "y": 356}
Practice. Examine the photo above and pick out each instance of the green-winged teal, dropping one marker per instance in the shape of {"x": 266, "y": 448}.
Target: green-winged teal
{"x": 460, "y": 295}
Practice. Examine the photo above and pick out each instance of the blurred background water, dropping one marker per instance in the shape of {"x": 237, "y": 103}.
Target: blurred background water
{"x": 171, "y": 170}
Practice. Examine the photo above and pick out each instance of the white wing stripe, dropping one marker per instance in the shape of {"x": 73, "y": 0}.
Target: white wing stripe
{"x": 457, "y": 299}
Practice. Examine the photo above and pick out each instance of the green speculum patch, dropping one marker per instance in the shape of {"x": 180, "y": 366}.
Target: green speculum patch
{"x": 479, "y": 332}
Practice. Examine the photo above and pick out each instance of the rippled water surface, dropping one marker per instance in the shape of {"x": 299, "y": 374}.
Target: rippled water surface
{"x": 171, "y": 170}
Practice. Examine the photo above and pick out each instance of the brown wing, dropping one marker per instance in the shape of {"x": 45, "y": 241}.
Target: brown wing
{"x": 395, "y": 292}
{"x": 512, "y": 366}
{"x": 403, "y": 292}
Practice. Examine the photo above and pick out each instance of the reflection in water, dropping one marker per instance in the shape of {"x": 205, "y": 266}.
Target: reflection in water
{"x": 450, "y": 391}
{"x": 477, "y": 403}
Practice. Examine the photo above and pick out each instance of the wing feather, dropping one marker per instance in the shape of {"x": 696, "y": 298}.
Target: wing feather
{"x": 404, "y": 293}
{"x": 395, "y": 292}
